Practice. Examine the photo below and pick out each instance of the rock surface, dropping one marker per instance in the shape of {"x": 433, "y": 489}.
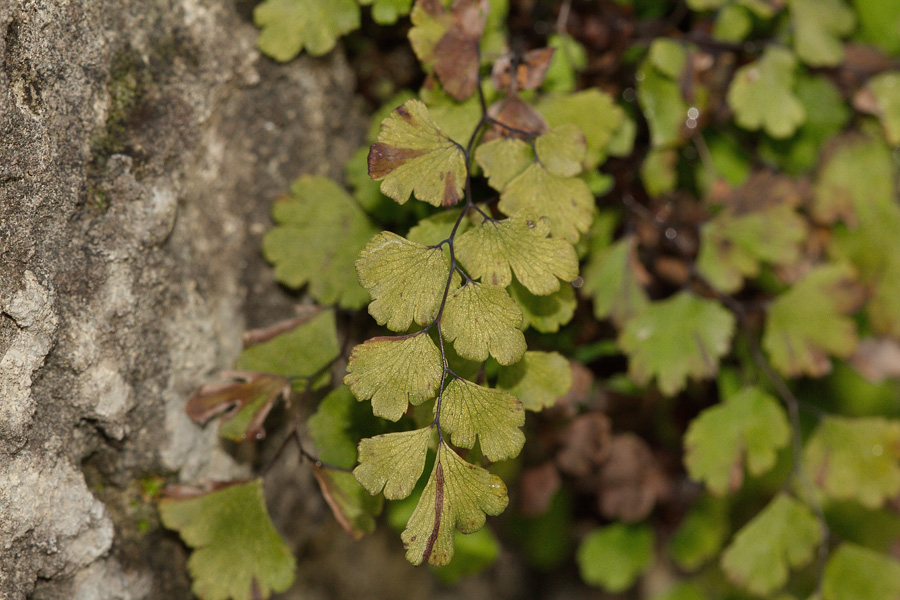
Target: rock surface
{"x": 141, "y": 145}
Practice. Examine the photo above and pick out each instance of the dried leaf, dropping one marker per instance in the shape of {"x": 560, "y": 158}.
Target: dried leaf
{"x": 630, "y": 481}
{"x": 585, "y": 444}
{"x": 246, "y": 401}
{"x": 447, "y": 41}
{"x": 512, "y": 73}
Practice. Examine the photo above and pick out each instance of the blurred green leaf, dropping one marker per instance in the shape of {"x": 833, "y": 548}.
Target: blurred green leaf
{"x": 544, "y": 313}
{"x": 302, "y": 351}
{"x": 235, "y": 545}
{"x": 673, "y": 339}
{"x": 762, "y": 94}
{"x": 782, "y": 536}
{"x": 386, "y": 12}
{"x": 474, "y": 552}
{"x": 537, "y": 380}
{"x": 319, "y": 224}
{"x": 809, "y": 321}
{"x": 826, "y": 114}
{"x": 701, "y": 534}
{"x": 853, "y": 573}
{"x": 593, "y": 111}
{"x": 856, "y": 459}
{"x": 885, "y": 88}
{"x": 749, "y": 426}
{"x": 290, "y": 26}
{"x": 353, "y": 507}
{"x": 733, "y": 244}
{"x": 611, "y": 279}
{"x": 613, "y": 557}
{"x": 819, "y": 26}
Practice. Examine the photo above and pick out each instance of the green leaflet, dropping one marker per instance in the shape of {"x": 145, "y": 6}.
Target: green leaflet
{"x": 433, "y": 230}
{"x": 503, "y": 159}
{"x": 413, "y": 156}
{"x": 537, "y": 380}
{"x": 732, "y": 245}
{"x": 393, "y": 462}
{"x": 457, "y": 496}
{"x": 544, "y": 313}
{"x": 659, "y": 93}
{"x": 733, "y": 24}
{"x": 319, "y": 224}
{"x": 613, "y": 557}
{"x": 483, "y": 320}
{"x": 593, "y": 111}
{"x": 762, "y": 97}
{"x": 386, "y": 12}
{"x": 456, "y": 119}
{"x": 841, "y": 194}
{"x": 290, "y": 26}
{"x": 885, "y": 88}
{"x": 562, "y": 150}
{"x": 566, "y": 201}
{"x": 783, "y": 535}
{"x": 394, "y": 372}
{"x": 671, "y": 340}
{"x": 853, "y": 573}
{"x": 302, "y": 351}
{"x": 658, "y": 171}
{"x": 808, "y": 322}
{"x": 337, "y": 425}
{"x": 702, "y": 533}
{"x": 234, "y": 542}
{"x": 494, "y": 250}
{"x": 856, "y": 459}
{"x": 570, "y": 58}
{"x": 610, "y": 277}
{"x": 493, "y": 415}
{"x": 749, "y": 426}
{"x": 819, "y": 26}
{"x": 406, "y": 280}
{"x": 826, "y": 114}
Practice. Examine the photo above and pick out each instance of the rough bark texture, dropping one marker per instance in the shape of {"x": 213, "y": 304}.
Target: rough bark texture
{"x": 141, "y": 145}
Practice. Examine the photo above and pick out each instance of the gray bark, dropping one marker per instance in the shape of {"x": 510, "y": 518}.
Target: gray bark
{"x": 141, "y": 144}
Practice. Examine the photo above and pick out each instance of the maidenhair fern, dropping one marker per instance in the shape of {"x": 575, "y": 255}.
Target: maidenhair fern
{"x": 726, "y": 286}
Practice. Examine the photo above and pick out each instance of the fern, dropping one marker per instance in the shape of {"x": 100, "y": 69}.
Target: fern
{"x": 738, "y": 297}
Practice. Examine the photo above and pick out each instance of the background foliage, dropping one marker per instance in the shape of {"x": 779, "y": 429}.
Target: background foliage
{"x": 666, "y": 230}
